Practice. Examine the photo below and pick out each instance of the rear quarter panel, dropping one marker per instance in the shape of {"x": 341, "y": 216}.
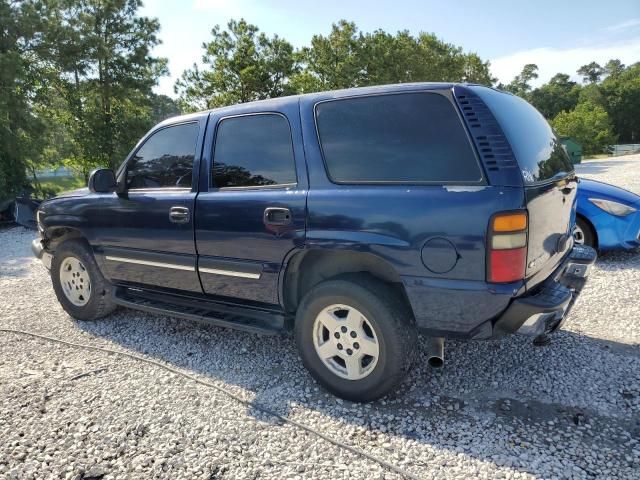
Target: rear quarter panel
{"x": 395, "y": 222}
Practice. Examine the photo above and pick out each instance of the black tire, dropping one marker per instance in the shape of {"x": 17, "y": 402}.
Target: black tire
{"x": 99, "y": 303}
{"x": 589, "y": 236}
{"x": 389, "y": 317}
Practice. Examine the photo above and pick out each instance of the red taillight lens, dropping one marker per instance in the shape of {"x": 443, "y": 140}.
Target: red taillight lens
{"x": 507, "y": 265}
{"x": 507, "y": 247}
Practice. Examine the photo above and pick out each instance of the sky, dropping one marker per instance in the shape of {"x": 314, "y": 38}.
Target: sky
{"x": 557, "y": 35}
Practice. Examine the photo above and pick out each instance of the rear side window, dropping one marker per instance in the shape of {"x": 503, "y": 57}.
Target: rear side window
{"x": 253, "y": 151}
{"x": 409, "y": 138}
{"x": 536, "y": 147}
{"x": 165, "y": 160}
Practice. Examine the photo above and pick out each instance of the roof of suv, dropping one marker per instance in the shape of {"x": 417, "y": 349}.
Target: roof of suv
{"x": 324, "y": 95}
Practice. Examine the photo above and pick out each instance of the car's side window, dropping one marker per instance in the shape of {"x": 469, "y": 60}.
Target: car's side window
{"x": 165, "y": 160}
{"x": 408, "y": 137}
{"x": 253, "y": 151}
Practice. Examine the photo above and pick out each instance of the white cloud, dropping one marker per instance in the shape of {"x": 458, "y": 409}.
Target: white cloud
{"x": 633, "y": 22}
{"x": 558, "y": 60}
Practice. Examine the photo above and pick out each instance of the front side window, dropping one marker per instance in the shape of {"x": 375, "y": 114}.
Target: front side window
{"x": 166, "y": 159}
{"x": 253, "y": 151}
{"x": 408, "y": 138}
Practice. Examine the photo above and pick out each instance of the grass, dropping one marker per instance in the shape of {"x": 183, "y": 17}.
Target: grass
{"x": 56, "y": 185}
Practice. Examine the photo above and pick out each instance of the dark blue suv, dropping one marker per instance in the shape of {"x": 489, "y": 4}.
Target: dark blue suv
{"x": 355, "y": 218}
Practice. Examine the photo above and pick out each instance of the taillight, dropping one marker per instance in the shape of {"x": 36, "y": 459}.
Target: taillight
{"x": 507, "y": 247}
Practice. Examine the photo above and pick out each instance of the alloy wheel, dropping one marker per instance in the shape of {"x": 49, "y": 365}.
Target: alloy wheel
{"x": 75, "y": 281}
{"x": 346, "y": 342}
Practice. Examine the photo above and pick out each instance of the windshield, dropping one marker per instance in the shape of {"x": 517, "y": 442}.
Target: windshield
{"x": 537, "y": 148}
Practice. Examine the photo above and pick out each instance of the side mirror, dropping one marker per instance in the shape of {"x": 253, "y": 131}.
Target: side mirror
{"x": 102, "y": 180}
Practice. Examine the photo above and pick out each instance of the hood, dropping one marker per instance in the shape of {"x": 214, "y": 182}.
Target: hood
{"x": 79, "y": 192}
{"x": 594, "y": 189}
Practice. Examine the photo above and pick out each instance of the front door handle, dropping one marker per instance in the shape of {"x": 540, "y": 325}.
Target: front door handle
{"x": 179, "y": 215}
{"x": 277, "y": 216}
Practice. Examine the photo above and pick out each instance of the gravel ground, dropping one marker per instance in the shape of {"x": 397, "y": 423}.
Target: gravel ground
{"x": 499, "y": 409}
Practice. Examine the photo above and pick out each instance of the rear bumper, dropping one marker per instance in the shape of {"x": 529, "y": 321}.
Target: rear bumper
{"x": 545, "y": 310}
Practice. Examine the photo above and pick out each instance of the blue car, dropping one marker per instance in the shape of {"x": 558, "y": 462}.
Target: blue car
{"x": 607, "y": 216}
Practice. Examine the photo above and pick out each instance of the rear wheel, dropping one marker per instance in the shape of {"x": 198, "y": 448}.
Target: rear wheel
{"x": 78, "y": 283}
{"x": 583, "y": 233}
{"x": 355, "y": 337}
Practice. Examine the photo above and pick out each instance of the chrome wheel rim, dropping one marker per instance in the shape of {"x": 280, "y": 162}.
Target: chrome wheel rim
{"x": 578, "y": 235}
{"x": 346, "y": 342}
{"x": 75, "y": 281}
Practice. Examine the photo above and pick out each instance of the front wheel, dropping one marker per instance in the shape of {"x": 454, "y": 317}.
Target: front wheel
{"x": 78, "y": 283}
{"x": 583, "y": 233}
{"x": 355, "y": 337}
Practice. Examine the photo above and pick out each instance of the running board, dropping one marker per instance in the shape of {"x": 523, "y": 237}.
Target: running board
{"x": 200, "y": 310}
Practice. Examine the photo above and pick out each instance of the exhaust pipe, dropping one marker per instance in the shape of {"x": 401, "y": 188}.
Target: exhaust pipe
{"x": 435, "y": 352}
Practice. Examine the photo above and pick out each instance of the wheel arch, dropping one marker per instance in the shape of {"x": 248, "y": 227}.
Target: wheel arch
{"x": 588, "y": 222}
{"x": 57, "y": 235}
{"x": 308, "y": 268}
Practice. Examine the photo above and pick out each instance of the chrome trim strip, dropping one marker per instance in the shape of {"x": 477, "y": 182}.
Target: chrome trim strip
{"x": 150, "y": 263}
{"x": 229, "y": 273}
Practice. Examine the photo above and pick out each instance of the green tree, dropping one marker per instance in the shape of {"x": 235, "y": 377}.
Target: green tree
{"x": 621, "y": 97}
{"x": 591, "y": 73}
{"x": 589, "y": 124}
{"x": 559, "y": 94}
{"x": 20, "y": 142}
{"x": 163, "y": 107}
{"x": 335, "y": 60}
{"x": 240, "y": 65}
{"x": 349, "y": 58}
{"x": 100, "y": 52}
{"x": 613, "y": 68}
{"x": 521, "y": 84}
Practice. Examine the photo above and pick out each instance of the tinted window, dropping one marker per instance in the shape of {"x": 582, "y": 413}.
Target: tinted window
{"x": 165, "y": 159}
{"x": 535, "y": 145}
{"x": 252, "y": 151}
{"x": 413, "y": 137}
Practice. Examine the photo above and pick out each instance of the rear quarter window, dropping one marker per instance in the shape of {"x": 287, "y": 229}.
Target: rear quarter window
{"x": 537, "y": 149}
{"x": 395, "y": 138}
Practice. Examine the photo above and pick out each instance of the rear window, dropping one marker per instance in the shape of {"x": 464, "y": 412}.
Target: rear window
{"x": 535, "y": 145}
{"x": 409, "y": 138}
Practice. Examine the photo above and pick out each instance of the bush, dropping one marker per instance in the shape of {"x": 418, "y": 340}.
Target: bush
{"x": 589, "y": 124}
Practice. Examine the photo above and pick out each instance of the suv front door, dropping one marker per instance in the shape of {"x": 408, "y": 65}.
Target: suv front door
{"x": 145, "y": 233}
{"x": 250, "y": 213}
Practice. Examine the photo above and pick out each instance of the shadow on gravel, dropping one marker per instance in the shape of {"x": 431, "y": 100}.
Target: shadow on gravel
{"x": 595, "y": 167}
{"x": 16, "y": 267}
{"x": 619, "y": 259}
{"x": 527, "y": 399}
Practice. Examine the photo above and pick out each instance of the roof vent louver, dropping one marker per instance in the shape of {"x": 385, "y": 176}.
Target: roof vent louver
{"x": 490, "y": 141}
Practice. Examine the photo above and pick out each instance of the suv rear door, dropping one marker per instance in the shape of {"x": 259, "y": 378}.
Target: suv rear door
{"x": 549, "y": 180}
{"x": 251, "y": 210}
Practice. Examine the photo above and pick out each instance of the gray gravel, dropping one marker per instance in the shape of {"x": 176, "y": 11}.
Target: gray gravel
{"x": 499, "y": 409}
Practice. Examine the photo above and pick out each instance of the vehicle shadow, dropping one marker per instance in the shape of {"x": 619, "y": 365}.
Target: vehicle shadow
{"x": 596, "y": 167}
{"x": 507, "y": 385}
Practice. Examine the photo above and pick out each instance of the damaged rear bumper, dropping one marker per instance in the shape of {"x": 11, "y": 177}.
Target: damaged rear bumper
{"x": 544, "y": 311}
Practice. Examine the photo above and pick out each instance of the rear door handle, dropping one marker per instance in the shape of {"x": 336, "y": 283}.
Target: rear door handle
{"x": 277, "y": 216}
{"x": 179, "y": 215}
